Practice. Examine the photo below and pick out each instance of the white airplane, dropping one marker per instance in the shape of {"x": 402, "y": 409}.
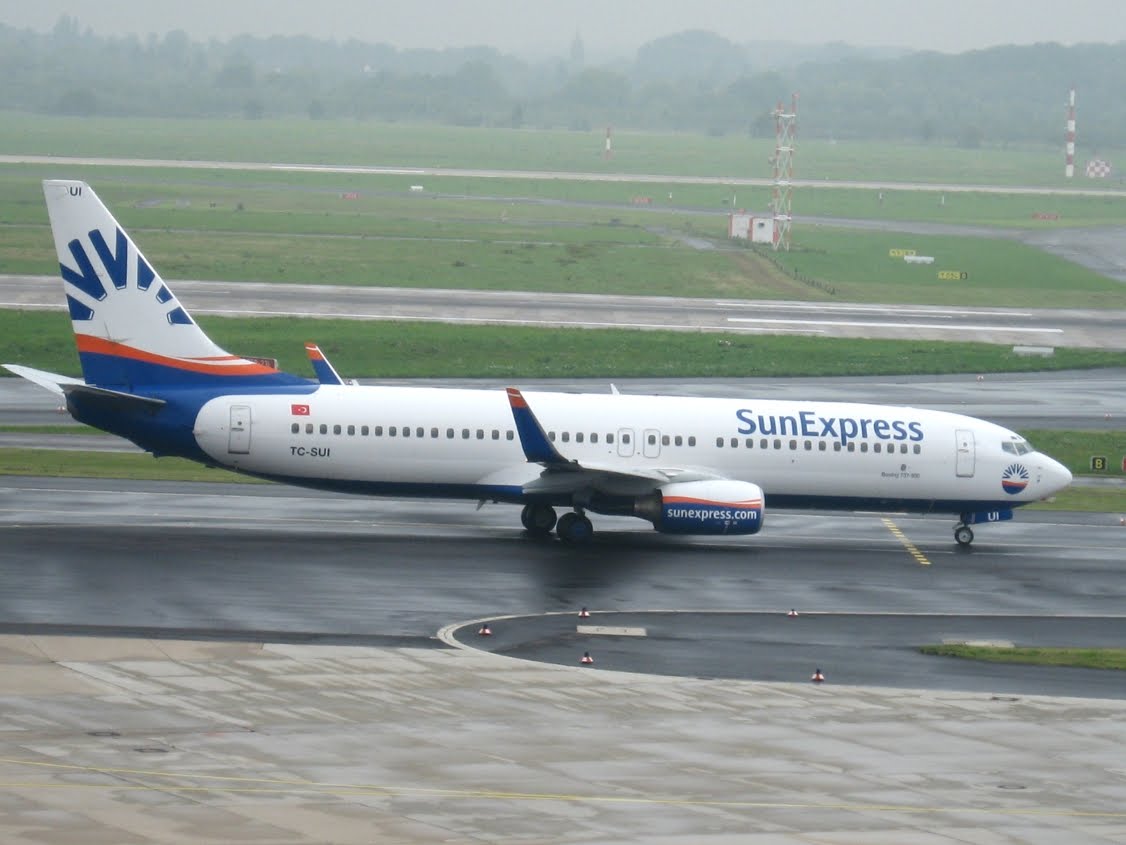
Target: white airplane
{"x": 687, "y": 465}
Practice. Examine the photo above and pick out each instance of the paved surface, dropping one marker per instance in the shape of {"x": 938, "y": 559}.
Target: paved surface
{"x": 111, "y": 741}
{"x": 1025, "y": 327}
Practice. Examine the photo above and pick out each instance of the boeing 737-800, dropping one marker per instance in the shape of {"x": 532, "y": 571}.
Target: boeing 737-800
{"x": 687, "y": 465}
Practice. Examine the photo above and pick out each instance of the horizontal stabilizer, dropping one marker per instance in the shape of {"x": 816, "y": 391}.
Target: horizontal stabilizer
{"x": 119, "y": 400}
{"x": 50, "y": 381}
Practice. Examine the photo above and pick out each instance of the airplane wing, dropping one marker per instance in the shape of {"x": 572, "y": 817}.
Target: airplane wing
{"x": 561, "y": 473}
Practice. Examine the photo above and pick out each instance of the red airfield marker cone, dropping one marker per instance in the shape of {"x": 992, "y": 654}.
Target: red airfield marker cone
{"x": 817, "y": 676}
{"x": 485, "y": 631}
{"x": 584, "y": 614}
{"x": 587, "y": 659}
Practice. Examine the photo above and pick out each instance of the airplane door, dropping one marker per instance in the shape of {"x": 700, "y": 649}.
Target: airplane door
{"x": 651, "y": 444}
{"x": 964, "y": 465}
{"x": 239, "y": 443}
{"x": 625, "y": 442}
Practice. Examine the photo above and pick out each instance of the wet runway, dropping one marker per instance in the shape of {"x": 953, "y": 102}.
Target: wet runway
{"x": 207, "y": 559}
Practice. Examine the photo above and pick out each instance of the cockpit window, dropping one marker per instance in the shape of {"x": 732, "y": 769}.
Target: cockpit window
{"x": 1017, "y": 446}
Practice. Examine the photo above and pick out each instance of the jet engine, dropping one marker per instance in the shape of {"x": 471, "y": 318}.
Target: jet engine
{"x": 704, "y": 507}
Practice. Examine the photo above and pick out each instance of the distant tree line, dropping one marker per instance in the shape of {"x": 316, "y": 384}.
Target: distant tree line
{"x": 692, "y": 81}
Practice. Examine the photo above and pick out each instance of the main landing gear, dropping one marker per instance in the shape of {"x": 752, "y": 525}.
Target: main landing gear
{"x": 572, "y": 528}
{"x": 963, "y": 534}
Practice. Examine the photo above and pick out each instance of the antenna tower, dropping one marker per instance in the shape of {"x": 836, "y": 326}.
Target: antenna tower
{"x": 781, "y": 203}
{"x": 1069, "y": 167}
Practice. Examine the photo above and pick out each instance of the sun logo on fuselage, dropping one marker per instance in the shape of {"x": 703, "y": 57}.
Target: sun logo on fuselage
{"x": 1014, "y": 479}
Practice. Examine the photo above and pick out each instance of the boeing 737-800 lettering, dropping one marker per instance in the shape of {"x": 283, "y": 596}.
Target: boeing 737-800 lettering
{"x": 687, "y": 465}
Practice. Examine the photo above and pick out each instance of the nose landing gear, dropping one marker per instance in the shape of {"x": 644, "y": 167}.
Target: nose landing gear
{"x": 963, "y": 534}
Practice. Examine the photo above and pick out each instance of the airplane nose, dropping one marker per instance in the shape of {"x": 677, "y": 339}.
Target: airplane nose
{"x": 1056, "y": 476}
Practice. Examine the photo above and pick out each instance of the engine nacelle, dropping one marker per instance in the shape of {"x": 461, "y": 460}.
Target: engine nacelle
{"x": 705, "y": 507}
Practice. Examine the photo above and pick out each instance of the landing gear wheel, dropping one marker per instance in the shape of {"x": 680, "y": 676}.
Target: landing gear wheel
{"x": 538, "y": 519}
{"x": 574, "y": 528}
{"x": 963, "y": 535}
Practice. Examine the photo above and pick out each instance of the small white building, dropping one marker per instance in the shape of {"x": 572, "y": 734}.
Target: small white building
{"x": 747, "y": 227}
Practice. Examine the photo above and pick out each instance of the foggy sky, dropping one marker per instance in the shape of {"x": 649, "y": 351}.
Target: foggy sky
{"x": 539, "y": 28}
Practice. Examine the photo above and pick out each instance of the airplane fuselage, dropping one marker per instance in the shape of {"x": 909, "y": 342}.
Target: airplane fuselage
{"x": 462, "y": 444}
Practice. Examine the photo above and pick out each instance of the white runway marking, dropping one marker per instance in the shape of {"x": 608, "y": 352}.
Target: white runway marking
{"x": 867, "y": 325}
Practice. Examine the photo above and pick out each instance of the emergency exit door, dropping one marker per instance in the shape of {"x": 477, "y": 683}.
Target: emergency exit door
{"x": 239, "y": 442}
{"x": 964, "y": 464}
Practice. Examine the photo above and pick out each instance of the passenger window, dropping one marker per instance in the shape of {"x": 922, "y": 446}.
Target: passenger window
{"x": 793, "y": 445}
{"x": 903, "y": 448}
{"x": 609, "y": 438}
{"x": 465, "y": 434}
{"x": 352, "y": 430}
{"x": 652, "y": 440}
{"x": 480, "y": 434}
{"x": 808, "y": 446}
{"x": 917, "y": 449}
{"x": 692, "y": 440}
{"x": 594, "y": 437}
{"x": 496, "y": 434}
{"x": 363, "y": 431}
{"x": 863, "y": 447}
{"x": 336, "y": 429}
{"x": 626, "y": 438}
{"x": 324, "y": 429}
{"x": 419, "y": 432}
{"x": 719, "y": 442}
{"x": 821, "y": 446}
{"x": 734, "y": 442}
{"x": 566, "y": 437}
{"x": 875, "y": 447}
{"x": 308, "y": 428}
{"x": 434, "y": 432}
{"x": 750, "y": 443}
{"x": 852, "y": 447}
{"x": 579, "y": 437}
{"x": 665, "y": 440}
{"x": 392, "y": 431}
{"x": 551, "y": 436}
{"x": 508, "y": 434}
{"x": 406, "y": 431}
{"x": 378, "y": 431}
{"x": 764, "y": 443}
{"x": 678, "y": 440}
{"x": 837, "y": 446}
{"x": 778, "y": 443}
{"x": 449, "y": 434}
{"x": 295, "y": 428}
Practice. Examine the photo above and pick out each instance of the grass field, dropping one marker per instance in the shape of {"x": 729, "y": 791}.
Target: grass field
{"x": 363, "y": 143}
{"x": 426, "y": 350}
{"x": 301, "y": 230}
{"x": 1082, "y": 658}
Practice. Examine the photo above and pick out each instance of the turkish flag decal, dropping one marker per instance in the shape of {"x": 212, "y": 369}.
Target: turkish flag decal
{"x": 299, "y": 410}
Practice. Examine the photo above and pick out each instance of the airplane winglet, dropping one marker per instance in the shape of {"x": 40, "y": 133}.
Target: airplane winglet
{"x": 326, "y": 373}
{"x": 538, "y": 449}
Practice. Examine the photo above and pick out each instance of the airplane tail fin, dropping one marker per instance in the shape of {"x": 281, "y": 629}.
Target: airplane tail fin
{"x": 129, "y": 327}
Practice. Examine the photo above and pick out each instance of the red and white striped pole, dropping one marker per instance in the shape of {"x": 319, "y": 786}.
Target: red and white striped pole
{"x": 1069, "y": 168}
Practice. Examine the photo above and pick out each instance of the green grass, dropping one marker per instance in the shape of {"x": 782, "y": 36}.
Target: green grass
{"x": 998, "y": 272}
{"x": 140, "y": 467}
{"x": 427, "y": 350}
{"x": 1086, "y": 499}
{"x": 301, "y": 230}
{"x": 1074, "y": 449}
{"x": 1082, "y": 658}
{"x": 365, "y": 143}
